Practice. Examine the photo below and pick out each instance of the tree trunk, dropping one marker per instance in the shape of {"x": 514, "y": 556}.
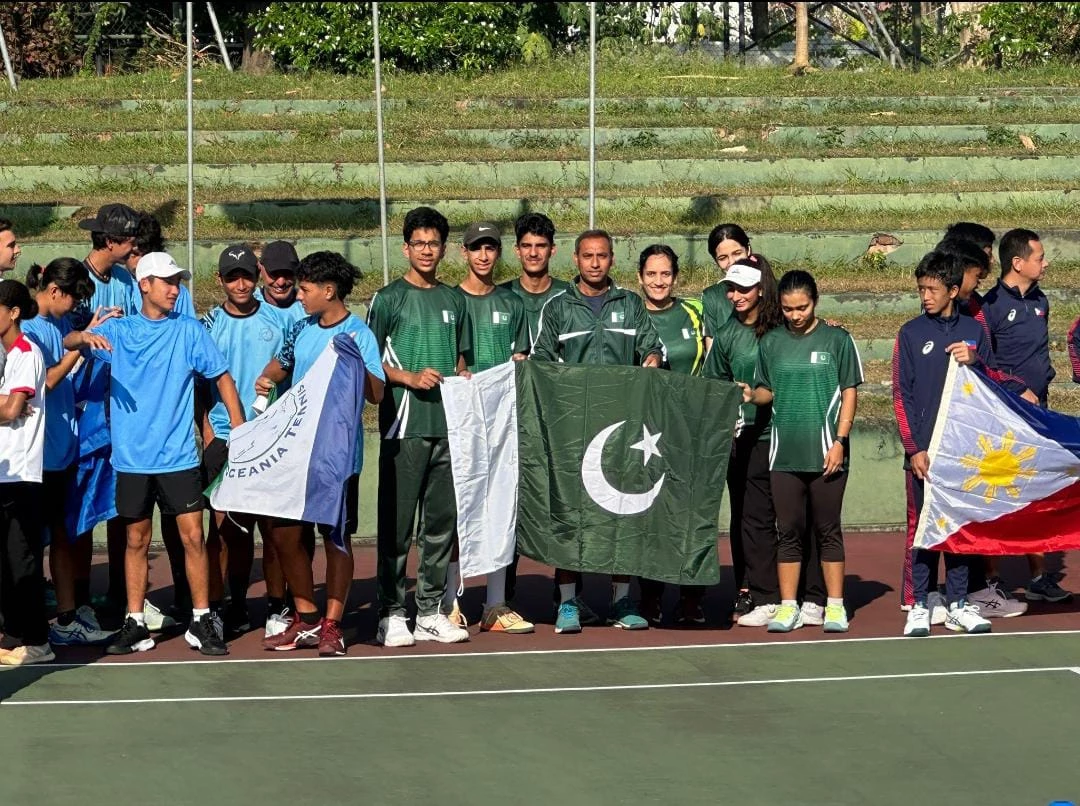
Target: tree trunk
{"x": 759, "y": 29}
{"x": 972, "y": 32}
{"x": 802, "y": 40}
{"x": 253, "y": 60}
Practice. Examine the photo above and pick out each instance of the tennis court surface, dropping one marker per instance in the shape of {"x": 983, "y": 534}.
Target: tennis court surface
{"x": 679, "y": 716}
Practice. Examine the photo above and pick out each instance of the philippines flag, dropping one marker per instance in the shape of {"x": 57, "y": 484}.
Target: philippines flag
{"x": 294, "y": 459}
{"x": 1004, "y": 473}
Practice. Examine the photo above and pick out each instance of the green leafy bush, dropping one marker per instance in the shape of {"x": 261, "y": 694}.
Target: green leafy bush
{"x": 1026, "y": 34}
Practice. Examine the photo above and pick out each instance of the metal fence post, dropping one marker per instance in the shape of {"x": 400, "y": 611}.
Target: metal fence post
{"x": 379, "y": 142}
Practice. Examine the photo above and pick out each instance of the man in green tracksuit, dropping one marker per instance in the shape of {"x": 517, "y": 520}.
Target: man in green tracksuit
{"x": 422, "y": 329}
{"x": 596, "y": 322}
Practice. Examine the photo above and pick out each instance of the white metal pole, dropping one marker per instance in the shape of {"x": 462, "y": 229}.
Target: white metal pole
{"x": 190, "y": 153}
{"x": 379, "y": 142}
{"x": 7, "y": 60}
{"x": 220, "y": 39}
{"x": 592, "y": 115}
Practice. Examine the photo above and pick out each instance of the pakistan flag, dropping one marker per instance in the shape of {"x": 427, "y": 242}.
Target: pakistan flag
{"x": 617, "y": 470}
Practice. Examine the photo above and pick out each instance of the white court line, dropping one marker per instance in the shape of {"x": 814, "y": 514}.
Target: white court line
{"x": 397, "y": 695}
{"x": 275, "y": 657}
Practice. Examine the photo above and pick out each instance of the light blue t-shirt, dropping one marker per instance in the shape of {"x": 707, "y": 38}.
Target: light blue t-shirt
{"x": 305, "y": 343}
{"x": 294, "y": 313}
{"x": 61, "y": 431}
{"x": 248, "y": 344}
{"x": 152, "y": 394}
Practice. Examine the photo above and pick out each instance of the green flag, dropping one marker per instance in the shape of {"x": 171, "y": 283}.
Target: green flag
{"x": 617, "y": 470}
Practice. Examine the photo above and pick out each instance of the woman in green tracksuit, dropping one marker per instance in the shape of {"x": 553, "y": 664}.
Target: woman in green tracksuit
{"x": 809, "y": 371}
{"x": 682, "y": 332}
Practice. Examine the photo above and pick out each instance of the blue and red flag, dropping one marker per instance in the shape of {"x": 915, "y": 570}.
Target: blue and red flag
{"x": 1004, "y": 473}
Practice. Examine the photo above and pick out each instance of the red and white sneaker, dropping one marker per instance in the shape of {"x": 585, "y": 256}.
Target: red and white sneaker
{"x": 331, "y": 641}
{"x": 298, "y": 635}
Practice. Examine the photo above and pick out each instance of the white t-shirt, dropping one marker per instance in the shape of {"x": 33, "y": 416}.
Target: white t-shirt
{"x": 22, "y": 442}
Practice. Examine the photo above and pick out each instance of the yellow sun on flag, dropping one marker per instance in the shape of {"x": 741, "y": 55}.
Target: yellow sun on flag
{"x": 998, "y": 468}
{"x": 968, "y": 389}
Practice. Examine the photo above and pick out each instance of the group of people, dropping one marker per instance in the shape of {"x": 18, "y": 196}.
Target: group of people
{"x": 115, "y": 399}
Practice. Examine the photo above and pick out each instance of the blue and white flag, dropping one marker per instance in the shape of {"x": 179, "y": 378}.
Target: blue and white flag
{"x": 294, "y": 459}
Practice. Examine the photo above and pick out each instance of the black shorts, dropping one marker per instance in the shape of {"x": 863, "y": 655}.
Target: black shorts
{"x": 352, "y": 503}
{"x": 214, "y": 457}
{"x": 175, "y": 493}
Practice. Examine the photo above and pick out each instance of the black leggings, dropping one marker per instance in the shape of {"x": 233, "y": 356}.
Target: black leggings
{"x": 753, "y": 520}
{"x": 22, "y": 584}
{"x": 791, "y": 492}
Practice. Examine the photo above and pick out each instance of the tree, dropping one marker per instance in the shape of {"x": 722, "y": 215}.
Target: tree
{"x": 802, "y": 41}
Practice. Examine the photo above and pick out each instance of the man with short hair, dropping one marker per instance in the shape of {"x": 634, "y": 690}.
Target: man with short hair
{"x": 421, "y": 326}
{"x": 1018, "y": 315}
{"x": 9, "y": 247}
{"x": 499, "y": 333}
{"x": 534, "y": 247}
{"x": 596, "y": 322}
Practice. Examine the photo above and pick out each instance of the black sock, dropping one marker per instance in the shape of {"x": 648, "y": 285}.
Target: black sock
{"x": 274, "y": 604}
{"x": 65, "y": 618}
{"x": 310, "y": 618}
{"x": 215, "y": 606}
{"x": 82, "y": 592}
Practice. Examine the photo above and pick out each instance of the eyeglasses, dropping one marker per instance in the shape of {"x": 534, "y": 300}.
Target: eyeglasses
{"x": 420, "y": 246}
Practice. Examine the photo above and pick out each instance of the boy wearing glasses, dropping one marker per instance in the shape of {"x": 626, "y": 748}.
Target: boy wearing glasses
{"x": 421, "y": 328}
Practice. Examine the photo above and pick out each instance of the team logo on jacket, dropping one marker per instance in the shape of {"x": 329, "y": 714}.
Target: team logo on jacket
{"x": 500, "y": 318}
{"x": 820, "y": 358}
{"x": 1012, "y": 315}
{"x": 1039, "y": 312}
{"x": 618, "y": 316}
{"x": 449, "y": 317}
{"x": 926, "y": 348}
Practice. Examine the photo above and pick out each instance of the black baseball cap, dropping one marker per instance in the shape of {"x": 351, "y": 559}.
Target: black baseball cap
{"x": 113, "y": 219}
{"x": 280, "y": 256}
{"x": 482, "y": 231}
{"x": 238, "y": 258}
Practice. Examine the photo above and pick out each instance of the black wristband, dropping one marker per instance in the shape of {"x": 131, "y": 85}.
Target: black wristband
{"x": 845, "y": 442}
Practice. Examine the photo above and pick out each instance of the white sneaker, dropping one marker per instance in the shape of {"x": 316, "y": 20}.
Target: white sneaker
{"x": 965, "y": 618}
{"x": 394, "y": 631}
{"x": 813, "y": 615}
{"x": 760, "y": 616}
{"x": 918, "y": 622}
{"x": 938, "y": 608}
{"x": 156, "y": 621}
{"x": 277, "y": 623}
{"x": 437, "y": 627}
{"x": 28, "y": 655}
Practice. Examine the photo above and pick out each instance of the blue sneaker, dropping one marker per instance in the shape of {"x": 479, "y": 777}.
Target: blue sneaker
{"x": 568, "y": 619}
{"x": 625, "y": 616}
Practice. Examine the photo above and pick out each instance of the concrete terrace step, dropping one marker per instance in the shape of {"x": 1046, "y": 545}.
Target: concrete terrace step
{"x": 795, "y": 173}
{"x": 788, "y": 248}
{"x": 1006, "y": 100}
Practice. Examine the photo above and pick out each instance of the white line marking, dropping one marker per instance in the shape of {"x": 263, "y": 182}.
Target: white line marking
{"x": 1075, "y": 670}
{"x": 276, "y": 657}
{"x": 392, "y": 695}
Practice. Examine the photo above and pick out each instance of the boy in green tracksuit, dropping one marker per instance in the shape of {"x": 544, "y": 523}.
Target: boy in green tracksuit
{"x": 421, "y": 327}
{"x": 535, "y": 247}
{"x": 596, "y": 322}
{"x": 498, "y": 332}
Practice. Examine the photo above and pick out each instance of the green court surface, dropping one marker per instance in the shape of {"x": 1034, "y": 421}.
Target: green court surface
{"x": 950, "y": 720}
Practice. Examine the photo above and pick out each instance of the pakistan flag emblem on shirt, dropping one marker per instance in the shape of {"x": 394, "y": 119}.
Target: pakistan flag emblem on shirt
{"x": 603, "y": 492}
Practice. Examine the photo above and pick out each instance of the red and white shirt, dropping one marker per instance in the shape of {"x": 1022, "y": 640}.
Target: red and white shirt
{"x": 22, "y": 442}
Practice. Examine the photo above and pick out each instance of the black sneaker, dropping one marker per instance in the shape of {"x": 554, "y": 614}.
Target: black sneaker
{"x": 202, "y": 634}
{"x": 133, "y": 637}
{"x": 744, "y": 603}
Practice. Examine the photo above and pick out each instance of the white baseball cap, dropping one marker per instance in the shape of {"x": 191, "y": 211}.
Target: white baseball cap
{"x": 741, "y": 275}
{"x": 159, "y": 264}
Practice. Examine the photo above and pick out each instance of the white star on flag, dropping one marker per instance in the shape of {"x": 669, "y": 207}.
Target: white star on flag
{"x": 647, "y": 446}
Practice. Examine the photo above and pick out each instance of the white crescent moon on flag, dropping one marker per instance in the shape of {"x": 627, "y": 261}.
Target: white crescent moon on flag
{"x": 600, "y": 490}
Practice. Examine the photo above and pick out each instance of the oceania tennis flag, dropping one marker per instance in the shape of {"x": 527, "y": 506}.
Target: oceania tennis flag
{"x": 1004, "y": 473}
{"x": 293, "y": 460}
{"x": 617, "y": 470}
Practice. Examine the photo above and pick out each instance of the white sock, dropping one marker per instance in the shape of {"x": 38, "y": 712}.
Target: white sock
{"x": 567, "y": 592}
{"x": 790, "y": 602}
{"x": 199, "y": 612}
{"x": 453, "y": 580}
{"x": 140, "y": 618}
{"x": 834, "y": 602}
{"x": 496, "y": 588}
{"x": 620, "y": 590}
